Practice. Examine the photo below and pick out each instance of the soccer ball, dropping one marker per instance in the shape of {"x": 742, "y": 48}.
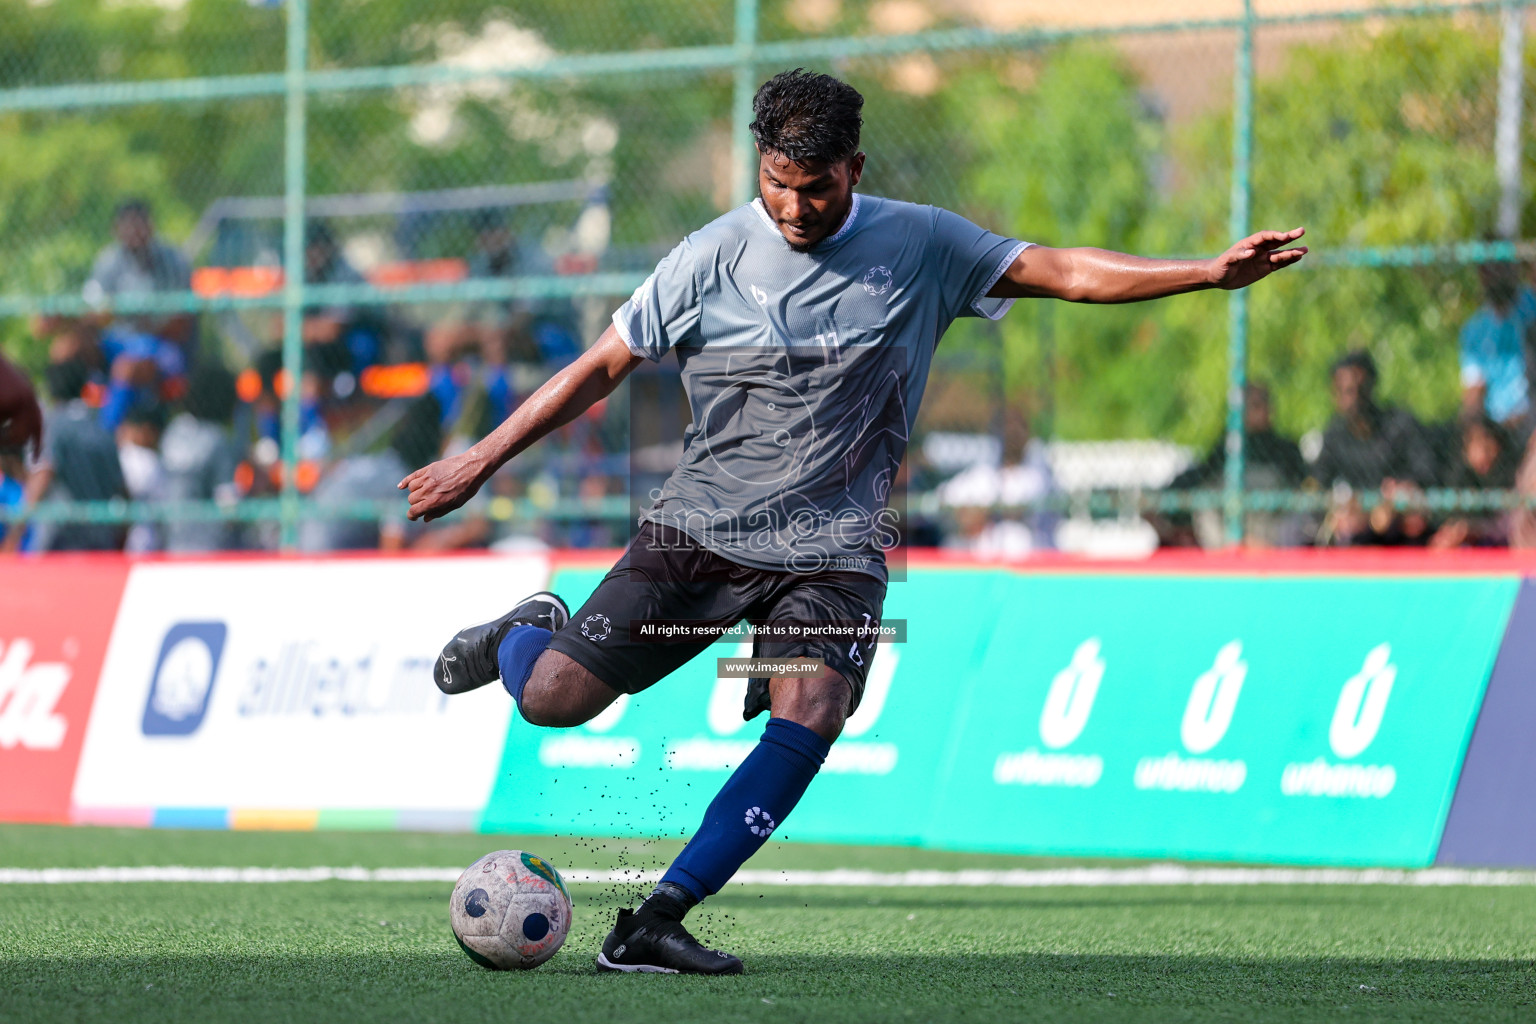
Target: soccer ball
{"x": 510, "y": 911}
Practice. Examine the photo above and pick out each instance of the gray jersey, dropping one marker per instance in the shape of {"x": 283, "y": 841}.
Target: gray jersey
{"x": 804, "y": 371}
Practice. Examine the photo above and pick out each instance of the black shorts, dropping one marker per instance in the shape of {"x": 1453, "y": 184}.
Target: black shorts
{"x": 666, "y": 576}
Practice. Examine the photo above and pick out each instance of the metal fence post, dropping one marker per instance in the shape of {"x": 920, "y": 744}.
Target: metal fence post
{"x": 1506, "y": 144}
{"x": 744, "y": 154}
{"x": 1237, "y": 301}
{"x": 294, "y": 154}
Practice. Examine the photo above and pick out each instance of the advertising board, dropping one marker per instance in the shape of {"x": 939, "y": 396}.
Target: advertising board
{"x": 1305, "y": 719}
{"x": 651, "y": 763}
{"x": 1492, "y": 822}
{"x": 55, "y": 618}
{"x": 282, "y": 693}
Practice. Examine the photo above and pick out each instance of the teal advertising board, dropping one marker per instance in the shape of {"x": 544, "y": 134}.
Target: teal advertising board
{"x": 654, "y": 761}
{"x": 1303, "y": 719}
{"x": 1294, "y": 720}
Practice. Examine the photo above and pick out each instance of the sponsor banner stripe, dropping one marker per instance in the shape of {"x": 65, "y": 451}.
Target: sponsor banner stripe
{"x": 267, "y": 819}
{"x": 367, "y": 820}
{"x": 112, "y": 817}
{"x": 1029, "y": 878}
{"x": 191, "y": 817}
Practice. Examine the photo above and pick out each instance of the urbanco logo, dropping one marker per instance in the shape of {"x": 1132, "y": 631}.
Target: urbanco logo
{"x": 1362, "y": 704}
{"x": 1356, "y": 720}
{"x": 1207, "y": 716}
{"x": 29, "y": 697}
{"x": 850, "y": 754}
{"x": 1213, "y": 700}
{"x": 591, "y": 746}
{"x": 182, "y": 683}
{"x": 1069, "y": 701}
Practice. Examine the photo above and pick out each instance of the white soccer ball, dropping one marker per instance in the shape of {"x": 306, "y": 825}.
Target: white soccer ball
{"x": 510, "y": 911}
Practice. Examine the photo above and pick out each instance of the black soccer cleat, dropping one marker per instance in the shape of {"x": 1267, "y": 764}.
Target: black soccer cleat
{"x": 469, "y": 659}
{"x": 660, "y": 946}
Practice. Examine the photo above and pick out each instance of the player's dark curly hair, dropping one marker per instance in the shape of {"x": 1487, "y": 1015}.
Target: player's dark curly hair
{"x": 807, "y": 117}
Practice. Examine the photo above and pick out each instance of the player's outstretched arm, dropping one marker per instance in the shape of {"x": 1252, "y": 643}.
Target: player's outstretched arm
{"x": 1099, "y": 275}
{"x": 443, "y": 486}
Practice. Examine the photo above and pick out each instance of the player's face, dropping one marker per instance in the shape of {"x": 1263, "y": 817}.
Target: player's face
{"x": 807, "y": 201}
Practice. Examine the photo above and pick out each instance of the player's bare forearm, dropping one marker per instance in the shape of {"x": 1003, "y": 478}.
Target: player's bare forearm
{"x": 565, "y": 396}
{"x": 445, "y": 485}
{"x": 1104, "y": 276}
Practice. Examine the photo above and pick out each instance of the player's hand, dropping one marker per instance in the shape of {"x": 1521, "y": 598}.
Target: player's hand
{"x": 443, "y": 486}
{"x": 21, "y": 421}
{"x": 1255, "y": 258}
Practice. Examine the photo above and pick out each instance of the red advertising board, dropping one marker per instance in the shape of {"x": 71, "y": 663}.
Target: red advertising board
{"x": 56, "y": 616}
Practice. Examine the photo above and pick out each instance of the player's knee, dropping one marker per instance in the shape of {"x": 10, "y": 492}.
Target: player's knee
{"x": 820, "y": 704}
{"x": 543, "y": 707}
{"x": 556, "y": 699}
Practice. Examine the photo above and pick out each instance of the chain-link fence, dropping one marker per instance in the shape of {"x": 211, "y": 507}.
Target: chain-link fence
{"x": 472, "y": 187}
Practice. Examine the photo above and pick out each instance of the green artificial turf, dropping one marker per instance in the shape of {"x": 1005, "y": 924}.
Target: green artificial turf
{"x": 383, "y": 952}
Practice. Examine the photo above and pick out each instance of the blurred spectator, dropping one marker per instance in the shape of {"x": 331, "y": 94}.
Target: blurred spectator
{"x": 337, "y": 339}
{"x": 1494, "y": 346}
{"x": 414, "y": 442}
{"x": 1366, "y": 444}
{"x": 144, "y": 354}
{"x": 138, "y": 452}
{"x": 497, "y": 331}
{"x": 1270, "y": 463}
{"x": 1487, "y": 460}
{"x": 13, "y": 476}
{"x": 79, "y": 463}
{"x": 1487, "y": 457}
{"x": 200, "y": 460}
{"x": 21, "y": 419}
{"x": 1022, "y": 477}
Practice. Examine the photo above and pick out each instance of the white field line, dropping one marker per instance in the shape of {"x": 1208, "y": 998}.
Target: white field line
{"x": 1152, "y": 874}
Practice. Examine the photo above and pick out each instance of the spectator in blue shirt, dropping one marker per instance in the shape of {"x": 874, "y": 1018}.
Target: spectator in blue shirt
{"x": 1493, "y": 349}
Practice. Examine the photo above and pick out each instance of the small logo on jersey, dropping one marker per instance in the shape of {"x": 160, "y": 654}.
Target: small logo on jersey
{"x": 878, "y": 280}
{"x": 758, "y": 822}
{"x": 758, "y": 294}
{"x": 596, "y": 627}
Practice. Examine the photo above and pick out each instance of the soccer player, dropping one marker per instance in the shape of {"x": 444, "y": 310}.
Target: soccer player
{"x": 804, "y": 324}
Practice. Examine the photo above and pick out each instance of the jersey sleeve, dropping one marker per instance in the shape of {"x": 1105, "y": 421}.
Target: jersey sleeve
{"x": 664, "y": 311}
{"x": 970, "y": 260}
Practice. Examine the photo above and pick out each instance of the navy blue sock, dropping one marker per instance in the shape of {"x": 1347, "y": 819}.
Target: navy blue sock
{"x": 519, "y": 649}
{"x": 751, "y": 804}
